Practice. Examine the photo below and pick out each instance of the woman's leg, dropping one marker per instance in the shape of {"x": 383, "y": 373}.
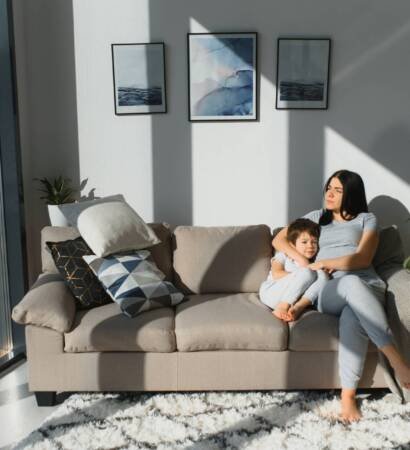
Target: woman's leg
{"x": 361, "y": 314}
{"x": 365, "y": 301}
{"x": 353, "y": 339}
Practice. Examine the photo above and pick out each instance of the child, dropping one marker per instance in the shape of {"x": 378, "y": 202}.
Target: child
{"x": 290, "y": 288}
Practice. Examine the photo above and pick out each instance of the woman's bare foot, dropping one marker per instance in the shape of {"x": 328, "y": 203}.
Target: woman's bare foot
{"x": 295, "y": 311}
{"x": 403, "y": 374}
{"x": 401, "y": 368}
{"x": 349, "y": 410}
{"x": 281, "y": 311}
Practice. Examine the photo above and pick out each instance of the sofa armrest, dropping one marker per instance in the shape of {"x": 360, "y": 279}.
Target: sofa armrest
{"x": 398, "y": 303}
{"x": 398, "y": 314}
{"x": 49, "y": 303}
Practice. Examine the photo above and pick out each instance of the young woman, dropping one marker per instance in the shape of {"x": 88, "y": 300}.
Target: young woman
{"x": 347, "y": 244}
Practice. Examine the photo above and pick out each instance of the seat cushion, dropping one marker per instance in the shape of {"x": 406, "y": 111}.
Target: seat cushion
{"x": 315, "y": 331}
{"x": 228, "y": 322}
{"x": 221, "y": 259}
{"x": 107, "y": 329}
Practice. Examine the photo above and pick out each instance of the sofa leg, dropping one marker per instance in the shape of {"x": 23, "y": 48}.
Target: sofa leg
{"x": 46, "y": 398}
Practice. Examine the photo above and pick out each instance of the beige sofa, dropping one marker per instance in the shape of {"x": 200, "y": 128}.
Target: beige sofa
{"x": 221, "y": 338}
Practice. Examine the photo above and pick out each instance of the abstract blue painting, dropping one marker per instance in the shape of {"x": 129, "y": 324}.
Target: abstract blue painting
{"x": 222, "y": 76}
{"x": 139, "y": 78}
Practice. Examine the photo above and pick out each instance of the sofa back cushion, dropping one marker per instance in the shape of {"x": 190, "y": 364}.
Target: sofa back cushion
{"x": 390, "y": 249}
{"x": 221, "y": 259}
{"x": 161, "y": 253}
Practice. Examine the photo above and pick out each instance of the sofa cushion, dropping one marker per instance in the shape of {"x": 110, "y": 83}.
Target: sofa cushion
{"x": 80, "y": 279}
{"x": 161, "y": 253}
{"x": 390, "y": 248}
{"x": 71, "y": 211}
{"x": 134, "y": 281}
{"x": 316, "y": 332}
{"x": 221, "y": 259}
{"x": 228, "y": 322}
{"x": 107, "y": 329}
{"x": 114, "y": 227}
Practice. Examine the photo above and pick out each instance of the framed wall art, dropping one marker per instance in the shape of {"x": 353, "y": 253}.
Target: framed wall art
{"x": 302, "y": 80}
{"x": 139, "y": 78}
{"x": 222, "y": 78}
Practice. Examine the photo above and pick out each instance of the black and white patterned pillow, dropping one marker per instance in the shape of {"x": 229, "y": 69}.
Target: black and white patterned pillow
{"x": 134, "y": 281}
{"x": 85, "y": 286}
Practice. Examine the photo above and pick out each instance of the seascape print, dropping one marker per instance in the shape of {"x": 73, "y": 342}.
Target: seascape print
{"x": 222, "y": 76}
{"x": 302, "y": 73}
{"x": 139, "y": 79}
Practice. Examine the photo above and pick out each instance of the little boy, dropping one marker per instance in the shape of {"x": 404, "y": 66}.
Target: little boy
{"x": 290, "y": 288}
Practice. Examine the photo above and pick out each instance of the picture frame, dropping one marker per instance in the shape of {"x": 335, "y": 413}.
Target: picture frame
{"x": 139, "y": 78}
{"x": 302, "y": 75}
{"x": 222, "y": 77}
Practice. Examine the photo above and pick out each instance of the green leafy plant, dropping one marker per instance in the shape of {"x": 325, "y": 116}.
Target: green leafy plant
{"x": 57, "y": 190}
{"x": 406, "y": 263}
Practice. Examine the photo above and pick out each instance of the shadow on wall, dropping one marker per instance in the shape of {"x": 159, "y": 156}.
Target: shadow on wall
{"x": 390, "y": 211}
{"x": 44, "y": 38}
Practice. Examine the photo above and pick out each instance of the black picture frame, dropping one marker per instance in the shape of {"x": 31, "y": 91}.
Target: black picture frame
{"x": 302, "y": 73}
{"x": 193, "y": 116}
{"x": 143, "y": 99}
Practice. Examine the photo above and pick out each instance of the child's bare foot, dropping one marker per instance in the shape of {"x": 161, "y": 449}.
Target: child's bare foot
{"x": 295, "y": 311}
{"x": 281, "y": 311}
{"x": 349, "y": 410}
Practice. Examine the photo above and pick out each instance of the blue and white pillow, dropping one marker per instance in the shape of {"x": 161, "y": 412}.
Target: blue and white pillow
{"x": 134, "y": 281}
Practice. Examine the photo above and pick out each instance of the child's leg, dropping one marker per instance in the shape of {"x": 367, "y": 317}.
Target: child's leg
{"x": 281, "y": 293}
{"x": 309, "y": 297}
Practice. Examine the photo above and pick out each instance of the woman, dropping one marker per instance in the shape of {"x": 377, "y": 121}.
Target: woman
{"x": 347, "y": 244}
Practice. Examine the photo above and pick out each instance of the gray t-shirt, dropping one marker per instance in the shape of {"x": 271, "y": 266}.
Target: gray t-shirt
{"x": 342, "y": 238}
{"x": 289, "y": 265}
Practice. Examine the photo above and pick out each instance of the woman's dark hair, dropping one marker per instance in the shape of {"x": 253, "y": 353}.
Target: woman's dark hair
{"x": 354, "y": 196}
{"x": 299, "y": 226}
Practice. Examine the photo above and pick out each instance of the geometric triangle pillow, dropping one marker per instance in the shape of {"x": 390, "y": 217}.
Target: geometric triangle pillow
{"x": 134, "y": 281}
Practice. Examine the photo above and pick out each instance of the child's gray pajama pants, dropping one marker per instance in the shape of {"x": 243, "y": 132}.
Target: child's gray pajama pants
{"x": 359, "y": 303}
{"x": 302, "y": 282}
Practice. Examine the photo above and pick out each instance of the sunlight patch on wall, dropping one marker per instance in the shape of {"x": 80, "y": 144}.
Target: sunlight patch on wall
{"x": 340, "y": 153}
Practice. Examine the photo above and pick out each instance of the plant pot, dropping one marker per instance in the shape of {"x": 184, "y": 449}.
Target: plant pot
{"x": 57, "y": 218}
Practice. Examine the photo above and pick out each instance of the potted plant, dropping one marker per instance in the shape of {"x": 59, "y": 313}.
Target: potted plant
{"x": 57, "y": 192}
{"x": 406, "y": 263}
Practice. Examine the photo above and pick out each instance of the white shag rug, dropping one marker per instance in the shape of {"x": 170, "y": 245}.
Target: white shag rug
{"x": 229, "y": 420}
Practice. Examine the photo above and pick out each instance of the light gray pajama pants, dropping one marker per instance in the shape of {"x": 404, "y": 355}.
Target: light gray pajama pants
{"x": 302, "y": 282}
{"x": 359, "y": 303}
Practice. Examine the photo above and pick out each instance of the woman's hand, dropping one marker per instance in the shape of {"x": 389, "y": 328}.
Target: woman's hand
{"x": 317, "y": 265}
{"x": 321, "y": 265}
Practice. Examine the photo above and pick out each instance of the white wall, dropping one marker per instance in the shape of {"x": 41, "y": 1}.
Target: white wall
{"x": 268, "y": 171}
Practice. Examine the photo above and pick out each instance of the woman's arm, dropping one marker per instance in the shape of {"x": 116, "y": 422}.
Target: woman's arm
{"x": 281, "y": 244}
{"x": 361, "y": 259}
{"x": 278, "y": 270}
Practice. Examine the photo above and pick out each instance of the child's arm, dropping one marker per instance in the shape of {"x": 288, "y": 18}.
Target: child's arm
{"x": 278, "y": 270}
